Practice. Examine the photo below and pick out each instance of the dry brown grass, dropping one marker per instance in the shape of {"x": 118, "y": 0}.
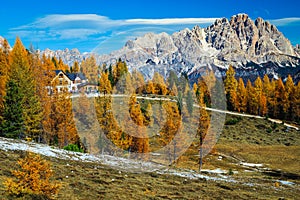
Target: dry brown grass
{"x": 249, "y": 140}
{"x": 95, "y": 181}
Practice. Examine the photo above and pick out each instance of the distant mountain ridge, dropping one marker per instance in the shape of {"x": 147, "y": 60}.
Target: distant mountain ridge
{"x": 240, "y": 41}
{"x": 253, "y": 47}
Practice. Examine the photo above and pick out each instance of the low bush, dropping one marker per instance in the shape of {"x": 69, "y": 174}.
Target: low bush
{"x": 233, "y": 121}
{"x": 73, "y": 147}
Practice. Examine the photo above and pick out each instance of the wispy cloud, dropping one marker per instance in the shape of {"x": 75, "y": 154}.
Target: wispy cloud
{"x": 286, "y": 21}
{"x": 171, "y": 21}
{"x": 83, "y": 25}
{"x": 91, "y": 26}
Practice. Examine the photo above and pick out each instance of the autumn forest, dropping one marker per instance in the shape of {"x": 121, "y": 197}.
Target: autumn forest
{"x": 28, "y": 110}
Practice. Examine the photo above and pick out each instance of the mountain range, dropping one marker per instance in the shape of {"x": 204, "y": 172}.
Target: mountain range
{"x": 253, "y": 47}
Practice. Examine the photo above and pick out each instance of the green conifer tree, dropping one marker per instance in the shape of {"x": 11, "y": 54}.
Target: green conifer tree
{"x": 22, "y": 74}
{"x": 13, "y": 124}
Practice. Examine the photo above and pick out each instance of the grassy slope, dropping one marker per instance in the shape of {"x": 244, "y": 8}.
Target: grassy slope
{"x": 249, "y": 140}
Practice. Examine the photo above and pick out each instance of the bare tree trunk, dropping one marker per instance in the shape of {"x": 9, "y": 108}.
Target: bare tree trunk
{"x": 200, "y": 153}
{"x": 200, "y": 158}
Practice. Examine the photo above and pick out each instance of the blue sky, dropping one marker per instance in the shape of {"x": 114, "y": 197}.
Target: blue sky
{"x": 106, "y": 25}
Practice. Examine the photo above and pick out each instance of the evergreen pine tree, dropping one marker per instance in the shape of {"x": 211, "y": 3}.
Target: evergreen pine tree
{"x": 23, "y": 76}
{"x": 13, "y": 124}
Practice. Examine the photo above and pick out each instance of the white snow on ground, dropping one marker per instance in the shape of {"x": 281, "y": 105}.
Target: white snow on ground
{"x": 118, "y": 162}
{"x": 215, "y": 171}
{"x": 251, "y": 164}
{"x": 193, "y": 175}
{"x": 286, "y": 182}
{"x": 123, "y": 164}
{"x": 112, "y": 161}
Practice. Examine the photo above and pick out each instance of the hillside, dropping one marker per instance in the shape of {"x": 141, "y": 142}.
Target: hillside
{"x": 255, "y": 158}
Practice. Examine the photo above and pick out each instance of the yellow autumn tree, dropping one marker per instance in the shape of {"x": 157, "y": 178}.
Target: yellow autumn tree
{"x": 124, "y": 85}
{"x": 32, "y": 177}
{"x": 159, "y": 84}
{"x": 281, "y": 100}
{"x": 104, "y": 84}
{"x": 44, "y": 75}
{"x": 250, "y": 94}
{"x": 89, "y": 68}
{"x": 290, "y": 92}
{"x": 241, "y": 96}
{"x": 75, "y": 67}
{"x": 119, "y": 70}
{"x": 202, "y": 92}
{"x": 204, "y": 121}
{"x": 150, "y": 88}
{"x": 4, "y": 72}
{"x": 295, "y": 104}
{"x": 171, "y": 127}
{"x": 110, "y": 127}
{"x": 66, "y": 132}
{"x": 138, "y": 81}
{"x": 269, "y": 91}
{"x": 140, "y": 143}
{"x": 230, "y": 85}
{"x": 259, "y": 98}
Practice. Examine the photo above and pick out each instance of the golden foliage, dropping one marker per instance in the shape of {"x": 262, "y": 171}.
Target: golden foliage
{"x": 104, "y": 84}
{"x": 33, "y": 177}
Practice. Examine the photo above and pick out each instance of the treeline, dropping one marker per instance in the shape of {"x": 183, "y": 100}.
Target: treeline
{"x": 167, "y": 115}
{"x": 27, "y": 109}
{"x": 265, "y": 97}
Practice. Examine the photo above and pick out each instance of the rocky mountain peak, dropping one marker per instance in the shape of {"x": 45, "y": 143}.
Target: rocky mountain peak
{"x": 239, "y": 18}
{"x": 240, "y": 41}
{"x": 265, "y": 26}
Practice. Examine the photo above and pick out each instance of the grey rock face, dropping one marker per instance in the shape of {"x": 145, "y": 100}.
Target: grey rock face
{"x": 238, "y": 41}
{"x": 68, "y": 56}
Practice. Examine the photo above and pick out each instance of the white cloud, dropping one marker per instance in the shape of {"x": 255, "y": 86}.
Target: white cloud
{"x": 52, "y": 21}
{"x": 285, "y": 21}
{"x": 81, "y": 26}
{"x": 171, "y": 21}
{"x": 84, "y": 30}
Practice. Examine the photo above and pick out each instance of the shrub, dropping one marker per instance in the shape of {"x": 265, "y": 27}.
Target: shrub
{"x": 32, "y": 178}
{"x": 274, "y": 125}
{"x": 269, "y": 130}
{"x": 73, "y": 147}
{"x": 233, "y": 121}
{"x": 230, "y": 172}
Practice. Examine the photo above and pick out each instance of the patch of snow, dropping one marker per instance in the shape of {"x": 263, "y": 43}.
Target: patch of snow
{"x": 215, "y": 171}
{"x": 194, "y": 175}
{"x": 285, "y": 182}
{"x": 122, "y": 164}
{"x": 251, "y": 164}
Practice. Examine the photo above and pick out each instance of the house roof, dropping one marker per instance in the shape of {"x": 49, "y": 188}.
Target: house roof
{"x": 58, "y": 71}
{"x": 73, "y": 76}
